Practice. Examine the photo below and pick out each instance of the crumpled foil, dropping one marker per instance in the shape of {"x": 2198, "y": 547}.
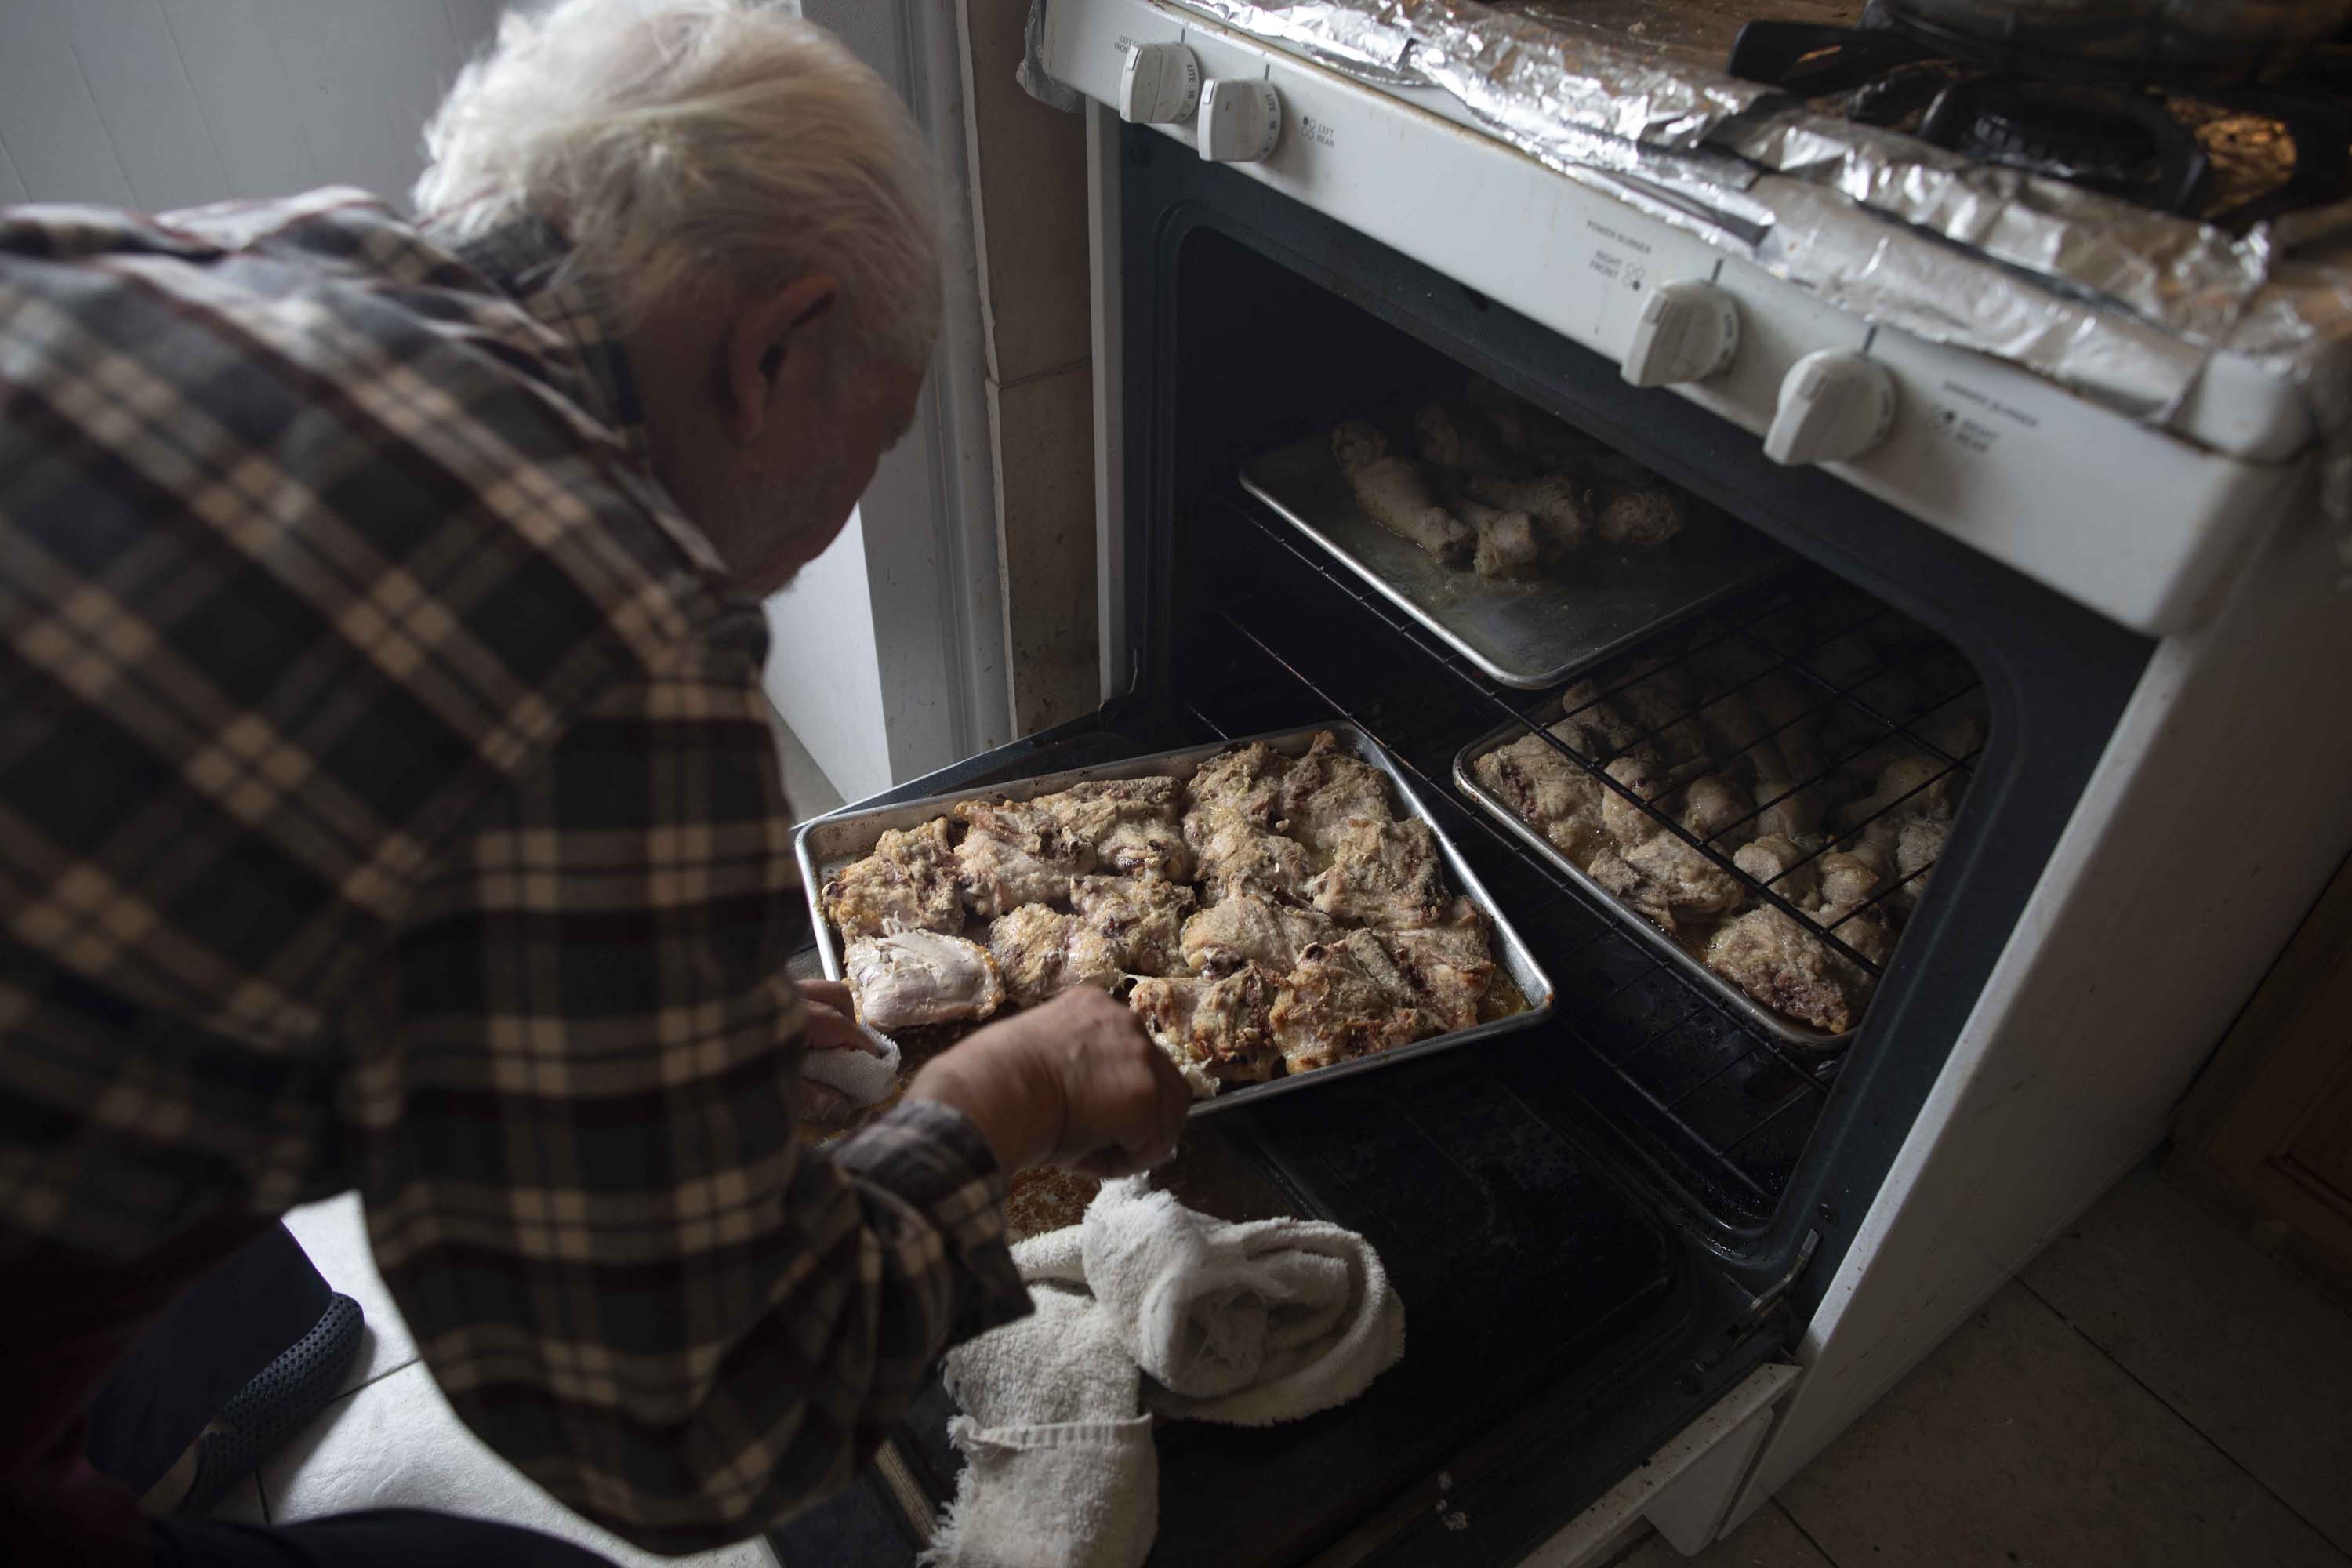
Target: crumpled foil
{"x": 2119, "y": 303}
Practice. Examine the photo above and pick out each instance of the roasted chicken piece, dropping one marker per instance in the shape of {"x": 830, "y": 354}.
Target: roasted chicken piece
{"x": 1146, "y": 848}
{"x": 1444, "y": 968}
{"x": 1016, "y": 854}
{"x": 1918, "y": 845}
{"x": 1547, "y": 792}
{"x": 912, "y": 978}
{"x": 1783, "y": 864}
{"x": 1383, "y": 873}
{"x": 1235, "y": 857}
{"x": 1344, "y": 999}
{"x": 1327, "y": 787}
{"x": 1788, "y": 969}
{"x": 1394, "y": 494}
{"x": 1554, "y": 501}
{"x": 1456, "y": 435}
{"x": 1641, "y": 516}
{"x": 1142, "y": 918}
{"x": 1716, "y": 806}
{"x": 1247, "y": 780}
{"x": 1247, "y": 929}
{"x": 1656, "y": 697}
{"x": 1217, "y": 1032}
{"x": 908, "y": 883}
{"x": 1040, "y": 952}
{"x": 1625, "y": 822}
{"x": 1091, "y": 809}
{"x": 1913, "y": 786}
{"x": 1591, "y": 724}
{"x": 1667, "y": 879}
{"x": 1509, "y": 546}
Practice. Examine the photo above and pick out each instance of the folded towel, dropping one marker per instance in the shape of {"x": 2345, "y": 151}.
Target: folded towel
{"x": 1244, "y": 1323}
{"x": 865, "y": 1078}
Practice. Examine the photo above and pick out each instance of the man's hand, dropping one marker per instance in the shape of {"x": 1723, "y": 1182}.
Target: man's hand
{"x": 831, "y": 1027}
{"x": 1073, "y": 1082}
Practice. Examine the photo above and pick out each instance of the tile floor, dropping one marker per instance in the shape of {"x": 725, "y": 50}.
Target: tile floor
{"x": 2150, "y": 1391}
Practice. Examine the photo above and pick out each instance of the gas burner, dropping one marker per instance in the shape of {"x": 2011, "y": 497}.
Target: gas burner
{"x": 2119, "y": 140}
{"x": 2189, "y": 140}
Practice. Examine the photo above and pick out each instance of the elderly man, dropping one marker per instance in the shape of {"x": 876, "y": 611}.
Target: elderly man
{"x": 390, "y": 801}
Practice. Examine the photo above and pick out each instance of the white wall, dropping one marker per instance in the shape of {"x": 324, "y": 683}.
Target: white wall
{"x": 157, "y": 104}
{"x": 823, "y": 673}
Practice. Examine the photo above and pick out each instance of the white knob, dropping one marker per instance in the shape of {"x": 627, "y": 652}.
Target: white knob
{"x": 1686, "y": 332}
{"x": 1159, "y": 85}
{"x": 1240, "y": 120}
{"x": 1834, "y": 404}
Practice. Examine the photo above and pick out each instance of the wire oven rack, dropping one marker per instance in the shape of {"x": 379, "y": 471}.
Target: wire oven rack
{"x": 1735, "y": 1103}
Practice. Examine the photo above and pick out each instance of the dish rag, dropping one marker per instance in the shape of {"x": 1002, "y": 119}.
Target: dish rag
{"x": 1147, "y": 1308}
{"x": 867, "y": 1077}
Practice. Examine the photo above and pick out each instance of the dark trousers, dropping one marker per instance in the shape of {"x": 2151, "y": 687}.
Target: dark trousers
{"x": 193, "y": 1361}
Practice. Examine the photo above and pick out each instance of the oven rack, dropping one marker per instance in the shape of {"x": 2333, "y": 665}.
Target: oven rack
{"x": 1735, "y": 1105}
{"x": 1790, "y": 597}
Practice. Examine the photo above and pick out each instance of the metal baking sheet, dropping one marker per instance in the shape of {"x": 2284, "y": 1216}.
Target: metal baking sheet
{"x": 1528, "y": 635}
{"x": 1787, "y": 1031}
{"x": 830, "y": 843}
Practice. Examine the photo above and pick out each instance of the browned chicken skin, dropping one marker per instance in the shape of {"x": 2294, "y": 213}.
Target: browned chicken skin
{"x": 1548, "y": 792}
{"x": 908, "y": 883}
{"x": 1325, "y": 787}
{"x": 1142, "y": 917}
{"x": 1343, "y": 999}
{"x": 1383, "y": 873}
{"x": 1041, "y": 952}
{"x": 1247, "y": 929}
{"x": 1218, "y": 1032}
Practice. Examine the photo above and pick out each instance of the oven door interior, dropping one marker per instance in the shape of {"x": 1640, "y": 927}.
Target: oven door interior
{"x": 1601, "y": 1225}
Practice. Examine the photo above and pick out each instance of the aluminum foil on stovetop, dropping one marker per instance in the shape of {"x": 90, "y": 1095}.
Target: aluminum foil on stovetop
{"x": 2120, "y": 304}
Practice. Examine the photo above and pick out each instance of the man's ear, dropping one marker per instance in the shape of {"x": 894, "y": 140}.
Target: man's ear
{"x": 776, "y": 335}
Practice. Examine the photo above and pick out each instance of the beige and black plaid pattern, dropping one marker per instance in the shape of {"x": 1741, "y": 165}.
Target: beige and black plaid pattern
{"x": 387, "y": 798}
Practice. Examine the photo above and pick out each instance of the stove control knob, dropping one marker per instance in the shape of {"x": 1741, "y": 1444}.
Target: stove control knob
{"x": 1159, "y": 85}
{"x": 1834, "y": 404}
{"x": 1240, "y": 120}
{"x": 1686, "y": 332}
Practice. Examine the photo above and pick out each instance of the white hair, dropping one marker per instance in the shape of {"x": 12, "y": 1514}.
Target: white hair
{"x": 675, "y": 142}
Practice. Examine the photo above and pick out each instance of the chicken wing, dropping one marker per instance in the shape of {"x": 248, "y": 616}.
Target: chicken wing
{"x": 1383, "y": 873}
{"x": 1327, "y": 787}
{"x": 1554, "y": 501}
{"x": 1394, "y": 494}
{"x": 908, "y": 883}
{"x": 1625, "y": 822}
{"x": 1546, "y": 791}
{"x": 1456, "y": 435}
{"x": 1510, "y": 544}
{"x": 1247, "y": 929}
{"x": 1715, "y": 807}
{"x": 1041, "y": 952}
{"x": 912, "y": 978}
{"x": 1591, "y": 724}
{"x": 1142, "y": 918}
{"x": 1783, "y": 864}
{"x": 1217, "y": 1032}
{"x": 1343, "y": 999}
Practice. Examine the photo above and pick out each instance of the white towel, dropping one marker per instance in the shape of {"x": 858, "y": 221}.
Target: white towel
{"x": 1245, "y": 1323}
{"x": 866, "y": 1079}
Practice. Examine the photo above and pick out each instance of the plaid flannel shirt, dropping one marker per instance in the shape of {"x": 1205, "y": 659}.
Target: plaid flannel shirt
{"x": 388, "y": 799}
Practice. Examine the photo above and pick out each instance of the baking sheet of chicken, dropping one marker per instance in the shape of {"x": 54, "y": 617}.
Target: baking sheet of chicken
{"x": 1840, "y": 814}
{"x": 1522, "y": 543}
{"x": 1279, "y": 909}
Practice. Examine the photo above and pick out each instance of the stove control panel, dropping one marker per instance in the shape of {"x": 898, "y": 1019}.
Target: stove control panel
{"x": 1160, "y": 85}
{"x": 1240, "y": 120}
{"x": 1834, "y": 404}
{"x": 1685, "y": 331}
